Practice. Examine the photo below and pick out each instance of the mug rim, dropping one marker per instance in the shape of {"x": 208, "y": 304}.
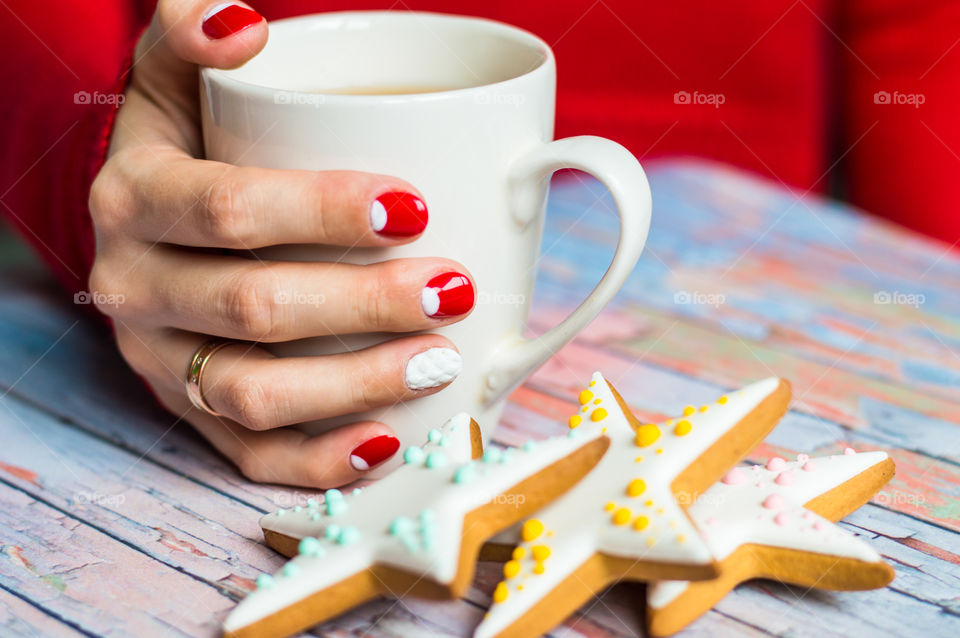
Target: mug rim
{"x": 226, "y": 77}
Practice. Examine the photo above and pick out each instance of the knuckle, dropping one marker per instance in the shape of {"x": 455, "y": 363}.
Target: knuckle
{"x": 246, "y": 401}
{"x": 249, "y": 305}
{"x": 108, "y": 197}
{"x": 251, "y": 465}
{"x": 223, "y": 214}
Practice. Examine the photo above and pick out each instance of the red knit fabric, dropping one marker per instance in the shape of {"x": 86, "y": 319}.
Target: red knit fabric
{"x": 797, "y": 81}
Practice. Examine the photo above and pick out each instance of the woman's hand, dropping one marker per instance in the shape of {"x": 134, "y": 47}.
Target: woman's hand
{"x": 162, "y": 217}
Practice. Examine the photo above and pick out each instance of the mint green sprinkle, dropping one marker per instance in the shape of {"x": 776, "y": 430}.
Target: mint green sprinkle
{"x": 290, "y": 570}
{"x": 530, "y": 446}
{"x": 265, "y": 581}
{"x": 413, "y": 455}
{"x": 332, "y": 531}
{"x": 434, "y": 435}
{"x": 492, "y": 455}
{"x": 465, "y": 473}
{"x": 310, "y": 546}
{"x": 436, "y": 459}
{"x": 348, "y": 535}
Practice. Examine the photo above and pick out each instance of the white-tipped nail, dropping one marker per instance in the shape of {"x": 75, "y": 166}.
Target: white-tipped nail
{"x": 432, "y": 368}
{"x": 378, "y": 216}
{"x": 430, "y": 301}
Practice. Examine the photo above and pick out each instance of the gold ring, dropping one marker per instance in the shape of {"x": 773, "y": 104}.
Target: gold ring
{"x": 195, "y": 372}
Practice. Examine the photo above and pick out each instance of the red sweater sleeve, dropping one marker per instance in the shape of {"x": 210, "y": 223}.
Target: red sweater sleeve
{"x": 66, "y": 66}
{"x": 900, "y": 91}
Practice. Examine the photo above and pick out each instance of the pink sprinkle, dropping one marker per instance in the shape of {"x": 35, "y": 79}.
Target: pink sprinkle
{"x": 802, "y": 458}
{"x": 759, "y": 484}
{"x": 773, "y": 502}
{"x": 776, "y": 464}
{"x": 849, "y": 451}
{"x": 735, "y": 476}
{"x": 781, "y": 519}
{"x": 784, "y": 479}
{"x": 809, "y": 466}
{"x": 711, "y": 521}
{"x": 807, "y": 514}
{"x": 818, "y": 525}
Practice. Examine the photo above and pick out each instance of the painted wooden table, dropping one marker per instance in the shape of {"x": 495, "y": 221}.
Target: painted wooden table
{"x": 116, "y": 519}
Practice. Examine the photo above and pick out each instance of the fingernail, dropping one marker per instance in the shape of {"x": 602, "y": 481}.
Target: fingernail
{"x": 226, "y": 19}
{"x": 447, "y": 295}
{"x": 432, "y": 368}
{"x": 374, "y": 452}
{"x": 398, "y": 214}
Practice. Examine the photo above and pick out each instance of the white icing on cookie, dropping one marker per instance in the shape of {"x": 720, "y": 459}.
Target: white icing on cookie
{"x": 624, "y": 507}
{"x": 767, "y": 509}
{"x": 412, "y": 519}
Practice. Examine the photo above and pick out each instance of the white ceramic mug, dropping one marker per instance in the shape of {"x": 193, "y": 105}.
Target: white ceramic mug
{"x": 481, "y": 153}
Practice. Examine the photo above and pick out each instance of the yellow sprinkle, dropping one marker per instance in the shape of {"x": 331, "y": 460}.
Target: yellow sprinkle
{"x": 519, "y": 552}
{"x": 682, "y": 428}
{"x": 540, "y": 553}
{"x": 703, "y": 408}
{"x": 510, "y": 569}
{"x": 651, "y": 541}
{"x": 598, "y": 415}
{"x": 641, "y": 523}
{"x": 585, "y": 408}
{"x": 636, "y": 487}
{"x": 585, "y": 396}
{"x": 673, "y": 524}
{"x": 603, "y": 430}
{"x": 531, "y": 529}
{"x": 500, "y": 593}
{"x": 593, "y": 383}
{"x": 681, "y": 538}
{"x": 639, "y": 459}
{"x": 597, "y": 401}
{"x": 649, "y": 503}
{"x": 622, "y": 516}
{"x": 550, "y": 534}
{"x": 609, "y": 507}
{"x": 574, "y": 421}
{"x": 659, "y": 450}
{"x": 669, "y": 422}
{"x": 538, "y": 568}
{"x": 687, "y": 411}
{"x": 660, "y": 511}
{"x": 647, "y": 434}
{"x": 722, "y": 400}
{"x": 519, "y": 587}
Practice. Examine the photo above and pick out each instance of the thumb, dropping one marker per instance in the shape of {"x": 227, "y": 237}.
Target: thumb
{"x": 189, "y": 33}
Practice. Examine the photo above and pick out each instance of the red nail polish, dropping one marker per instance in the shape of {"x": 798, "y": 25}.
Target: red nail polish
{"x": 447, "y": 295}
{"x": 374, "y": 452}
{"x": 398, "y": 214}
{"x": 228, "y": 20}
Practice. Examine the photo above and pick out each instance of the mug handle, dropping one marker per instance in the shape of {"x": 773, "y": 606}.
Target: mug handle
{"x": 623, "y": 176}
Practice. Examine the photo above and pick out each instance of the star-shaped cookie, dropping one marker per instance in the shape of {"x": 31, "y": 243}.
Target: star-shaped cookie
{"x": 417, "y": 531}
{"x": 774, "y": 521}
{"x": 626, "y": 518}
